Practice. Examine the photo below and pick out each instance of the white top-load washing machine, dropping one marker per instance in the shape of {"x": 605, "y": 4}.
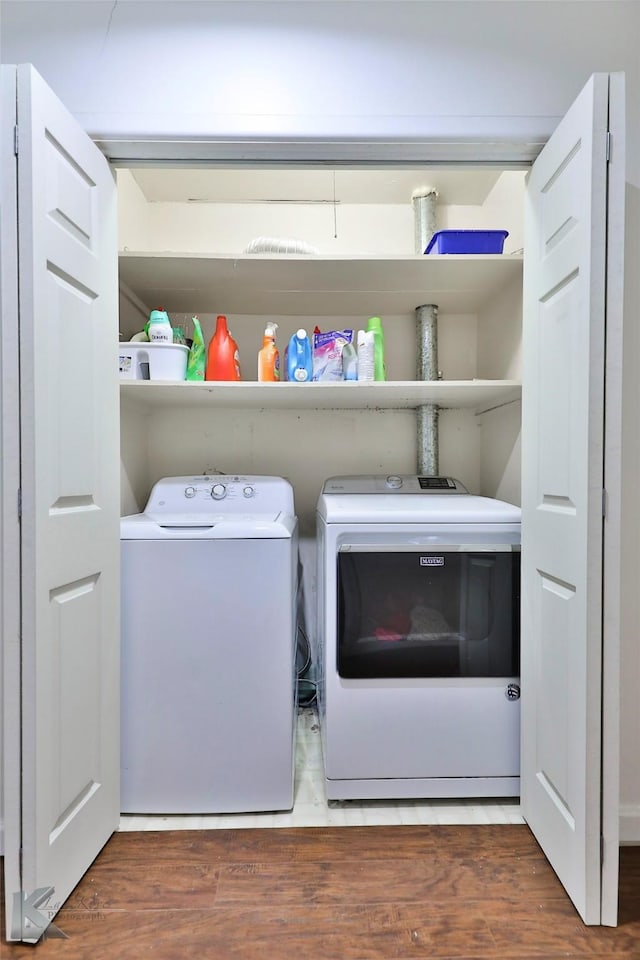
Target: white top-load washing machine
{"x": 209, "y": 576}
{"x": 419, "y": 630}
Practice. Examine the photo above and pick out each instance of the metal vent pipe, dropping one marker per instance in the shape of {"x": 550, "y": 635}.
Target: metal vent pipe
{"x": 424, "y": 216}
{"x": 428, "y": 453}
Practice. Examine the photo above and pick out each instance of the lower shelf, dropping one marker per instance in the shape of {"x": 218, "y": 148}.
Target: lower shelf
{"x": 479, "y": 395}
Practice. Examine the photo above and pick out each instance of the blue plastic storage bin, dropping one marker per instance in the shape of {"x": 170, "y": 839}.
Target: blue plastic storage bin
{"x": 467, "y": 241}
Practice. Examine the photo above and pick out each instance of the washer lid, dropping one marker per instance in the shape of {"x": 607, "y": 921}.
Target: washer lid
{"x": 250, "y": 527}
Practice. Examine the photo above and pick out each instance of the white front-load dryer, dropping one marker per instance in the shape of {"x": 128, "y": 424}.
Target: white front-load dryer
{"x": 419, "y": 629}
{"x": 208, "y": 701}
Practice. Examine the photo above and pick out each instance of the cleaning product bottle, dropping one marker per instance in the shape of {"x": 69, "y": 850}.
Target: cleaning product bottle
{"x": 159, "y": 329}
{"x": 366, "y": 349}
{"x": 196, "y": 359}
{"x": 299, "y": 358}
{"x": 349, "y": 362}
{"x": 375, "y": 324}
{"x": 223, "y": 361}
{"x": 178, "y": 336}
{"x": 269, "y": 355}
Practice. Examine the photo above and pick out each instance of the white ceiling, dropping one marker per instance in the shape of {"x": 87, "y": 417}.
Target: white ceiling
{"x": 319, "y": 185}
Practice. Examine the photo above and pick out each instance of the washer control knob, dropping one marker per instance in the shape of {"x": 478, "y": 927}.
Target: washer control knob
{"x": 248, "y": 492}
{"x": 218, "y": 491}
{"x": 189, "y": 492}
{"x": 394, "y": 482}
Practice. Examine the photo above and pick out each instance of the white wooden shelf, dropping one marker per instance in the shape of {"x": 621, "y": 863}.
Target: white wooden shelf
{"x": 479, "y": 395}
{"x": 290, "y": 285}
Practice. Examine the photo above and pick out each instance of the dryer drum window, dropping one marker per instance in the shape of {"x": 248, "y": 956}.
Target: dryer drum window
{"x": 428, "y": 614}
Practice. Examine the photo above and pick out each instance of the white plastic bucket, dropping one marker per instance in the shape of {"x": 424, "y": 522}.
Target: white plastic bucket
{"x": 152, "y": 361}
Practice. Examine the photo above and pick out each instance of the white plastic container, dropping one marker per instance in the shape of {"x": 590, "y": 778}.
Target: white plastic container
{"x": 152, "y": 361}
{"x": 349, "y": 362}
{"x": 366, "y": 368}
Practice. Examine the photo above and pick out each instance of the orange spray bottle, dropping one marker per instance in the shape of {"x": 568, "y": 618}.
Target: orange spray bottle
{"x": 223, "y": 361}
{"x": 269, "y": 355}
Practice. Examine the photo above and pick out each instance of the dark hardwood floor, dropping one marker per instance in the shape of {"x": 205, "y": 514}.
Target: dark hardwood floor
{"x": 348, "y": 893}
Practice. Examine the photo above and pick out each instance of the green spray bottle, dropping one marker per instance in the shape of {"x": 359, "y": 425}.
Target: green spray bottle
{"x": 374, "y": 325}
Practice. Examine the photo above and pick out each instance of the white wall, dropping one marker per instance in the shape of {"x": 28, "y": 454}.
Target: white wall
{"x": 376, "y": 228}
{"x": 630, "y": 654}
{"x": 395, "y": 68}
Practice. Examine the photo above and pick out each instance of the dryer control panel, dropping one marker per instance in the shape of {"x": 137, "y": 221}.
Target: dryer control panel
{"x": 393, "y": 484}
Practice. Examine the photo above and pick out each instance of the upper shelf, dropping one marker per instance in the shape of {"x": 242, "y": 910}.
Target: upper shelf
{"x": 290, "y": 285}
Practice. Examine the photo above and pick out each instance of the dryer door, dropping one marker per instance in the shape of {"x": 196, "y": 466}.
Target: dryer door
{"x": 443, "y": 611}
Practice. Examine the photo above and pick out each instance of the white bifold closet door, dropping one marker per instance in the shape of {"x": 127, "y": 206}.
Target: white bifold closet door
{"x": 70, "y": 493}
{"x": 570, "y": 342}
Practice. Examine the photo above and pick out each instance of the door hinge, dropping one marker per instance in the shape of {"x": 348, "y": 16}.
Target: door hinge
{"x": 608, "y": 146}
{"x": 15, "y": 140}
{"x": 20, "y": 504}
{"x": 601, "y": 850}
{"x": 604, "y": 503}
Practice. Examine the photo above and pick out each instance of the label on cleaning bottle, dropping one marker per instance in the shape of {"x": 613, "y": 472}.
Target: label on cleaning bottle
{"x": 164, "y": 335}
{"x": 236, "y": 363}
